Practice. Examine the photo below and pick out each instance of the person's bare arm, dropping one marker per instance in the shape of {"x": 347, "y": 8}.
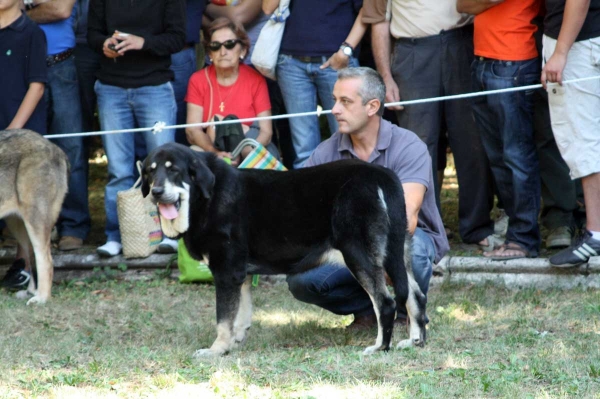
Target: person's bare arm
{"x": 573, "y": 19}
{"x": 339, "y": 60}
{"x": 381, "y": 45}
{"x": 47, "y": 11}
{"x": 413, "y": 197}
{"x": 475, "y": 7}
{"x": 266, "y": 129}
{"x": 30, "y": 101}
{"x": 269, "y": 6}
{"x": 243, "y": 13}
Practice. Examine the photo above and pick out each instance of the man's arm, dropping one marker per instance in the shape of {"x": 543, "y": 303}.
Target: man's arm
{"x": 475, "y": 7}
{"x": 414, "y": 193}
{"x": 243, "y": 13}
{"x": 46, "y": 11}
{"x": 269, "y": 6}
{"x": 573, "y": 19}
{"x": 31, "y": 100}
{"x": 338, "y": 60}
{"x": 382, "y": 48}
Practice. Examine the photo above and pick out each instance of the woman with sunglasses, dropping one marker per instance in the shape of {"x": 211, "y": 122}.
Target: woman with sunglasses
{"x": 228, "y": 88}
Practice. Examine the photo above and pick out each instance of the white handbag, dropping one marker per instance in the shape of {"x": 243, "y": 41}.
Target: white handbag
{"x": 266, "y": 49}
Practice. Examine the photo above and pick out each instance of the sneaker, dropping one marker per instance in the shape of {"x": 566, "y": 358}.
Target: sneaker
{"x": 111, "y": 248}
{"x": 559, "y": 237}
{"x": 69, "y": 243}
{"x": 577, "y": 254}
{"x": 16, "y": 277}
{"x": 501, "y": 224}
{"x": 167, "y": 246}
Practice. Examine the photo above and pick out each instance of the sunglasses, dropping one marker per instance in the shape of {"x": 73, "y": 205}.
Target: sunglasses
{"x": 229, "y": 44}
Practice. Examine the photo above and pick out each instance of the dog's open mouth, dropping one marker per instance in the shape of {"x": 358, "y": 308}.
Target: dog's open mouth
{"x": 169, "y": 211}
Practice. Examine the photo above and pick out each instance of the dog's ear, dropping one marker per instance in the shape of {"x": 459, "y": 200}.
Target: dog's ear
{"x": 201, "y": 176}
{"x": 145, "y": 184}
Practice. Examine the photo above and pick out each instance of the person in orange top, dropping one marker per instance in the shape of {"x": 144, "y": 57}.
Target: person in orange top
{"x": 506, "y": 57}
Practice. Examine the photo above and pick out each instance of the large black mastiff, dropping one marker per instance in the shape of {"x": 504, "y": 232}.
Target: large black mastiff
{"x": 267, "y": 222}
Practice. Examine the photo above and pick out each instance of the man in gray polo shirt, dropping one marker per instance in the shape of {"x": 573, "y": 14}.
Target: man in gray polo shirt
{"x": 359, "y": 94}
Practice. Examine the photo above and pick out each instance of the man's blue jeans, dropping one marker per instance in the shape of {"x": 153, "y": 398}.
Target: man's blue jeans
{"x": 333, "y": 287}
{"x": 183, "y": 65}
{"x": 64, "y": 116}
{"x": 506, "y": 125}
{"x": 121, "y": 108}
{"x": 300, "y": 83}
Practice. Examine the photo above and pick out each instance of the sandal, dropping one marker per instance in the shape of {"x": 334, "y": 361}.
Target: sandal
{"x": 493, "y": 242}
{"x": 508, "y": 251}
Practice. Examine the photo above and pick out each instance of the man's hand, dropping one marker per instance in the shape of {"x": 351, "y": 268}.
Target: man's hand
{"x": 554, "y": 68}
{"x": 108, "y": 52}
{"x": 337, "y": 61}
{"x": 392, "y": 94}
{"x": 127, "y": 41}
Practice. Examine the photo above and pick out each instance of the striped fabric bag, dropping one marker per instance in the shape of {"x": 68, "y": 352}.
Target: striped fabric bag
{"x": 259, "y": 158}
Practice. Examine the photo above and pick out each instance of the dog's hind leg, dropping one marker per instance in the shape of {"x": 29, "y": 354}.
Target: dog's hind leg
{"x": 40, "y": 241}
{"x": 243, "y": 319}
{"x": 17, "y": 228}
{"x": 416, "y": 304}
{"x": 371, "y": 277}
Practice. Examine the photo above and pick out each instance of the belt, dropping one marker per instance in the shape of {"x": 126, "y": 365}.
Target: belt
{"x": 310, "y": 59}
{"x": 60, "y": 57}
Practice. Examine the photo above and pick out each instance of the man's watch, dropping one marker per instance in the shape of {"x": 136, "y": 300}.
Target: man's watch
{"x": 347, "y": 49}
{"x": 29, "y": 4}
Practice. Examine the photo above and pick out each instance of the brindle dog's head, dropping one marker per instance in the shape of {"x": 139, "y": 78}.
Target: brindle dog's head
{"x": 173, "y": 173}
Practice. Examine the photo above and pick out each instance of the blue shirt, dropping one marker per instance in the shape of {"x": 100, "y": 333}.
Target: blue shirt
{"x": 60, "y": 34}
{"x": 404, "y": 153}
{"x": 194, "y": 10}
{"x": 318, "y": 27}
{"x": 22, "y": 61}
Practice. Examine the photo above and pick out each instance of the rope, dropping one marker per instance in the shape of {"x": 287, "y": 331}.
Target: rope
{"x": 160, "y": 126}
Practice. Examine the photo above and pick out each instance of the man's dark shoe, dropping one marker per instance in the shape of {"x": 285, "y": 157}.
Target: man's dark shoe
{"x": 577, "y": 254}
{"x": 16, "y": 278}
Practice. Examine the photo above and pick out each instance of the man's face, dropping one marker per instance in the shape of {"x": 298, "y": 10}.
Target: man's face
{"x": 348, "y": 109}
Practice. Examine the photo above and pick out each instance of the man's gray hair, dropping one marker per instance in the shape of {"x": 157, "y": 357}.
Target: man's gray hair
{"x": 372, "y": 86}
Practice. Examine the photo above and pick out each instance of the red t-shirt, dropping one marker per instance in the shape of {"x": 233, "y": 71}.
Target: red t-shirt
{"x": 505, "y": 31}
{"x": 246, "y": 98}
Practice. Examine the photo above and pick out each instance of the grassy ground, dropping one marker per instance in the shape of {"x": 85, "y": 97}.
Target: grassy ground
{"x": 111, "y": 338}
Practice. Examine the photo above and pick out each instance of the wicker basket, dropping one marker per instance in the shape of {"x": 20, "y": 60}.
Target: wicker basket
{"x": 139, "y": 222}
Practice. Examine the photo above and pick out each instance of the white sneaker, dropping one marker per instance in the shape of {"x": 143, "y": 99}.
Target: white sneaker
{"x": 111, "y": 248}
{"x": 167, "y": 246}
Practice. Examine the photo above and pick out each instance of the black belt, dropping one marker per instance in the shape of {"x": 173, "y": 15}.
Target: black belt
{"x": 310, "y": 59}
{"x": 60, "y": 57}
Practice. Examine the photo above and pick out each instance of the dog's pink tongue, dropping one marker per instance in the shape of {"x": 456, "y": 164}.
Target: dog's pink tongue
{"x": 168, "y": 211}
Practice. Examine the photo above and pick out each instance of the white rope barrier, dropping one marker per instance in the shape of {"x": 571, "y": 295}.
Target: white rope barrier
{"x": 160, "y": 126}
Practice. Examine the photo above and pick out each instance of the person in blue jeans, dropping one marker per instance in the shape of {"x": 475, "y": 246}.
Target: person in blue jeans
{"x": 358, "y": 96}
{"x": 505, "y": 121}
{"x": 64, "y": 114}
{"x": 309, "y": 60}
{"x": 133, "y": 88}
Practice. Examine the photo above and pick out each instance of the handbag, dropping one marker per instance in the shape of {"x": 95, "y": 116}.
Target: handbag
{"x": 266, "y": 49}
{"x": 258, "y": 158}
{"x": 190, "y": 269}
{"x": 139, "y": 222}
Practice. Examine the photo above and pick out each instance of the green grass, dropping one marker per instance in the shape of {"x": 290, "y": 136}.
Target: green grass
{"x": 114, "y": 338}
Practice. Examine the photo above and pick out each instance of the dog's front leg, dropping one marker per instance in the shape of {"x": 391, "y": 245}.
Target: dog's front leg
{"x": 243, "y": 319}
{"x": 228, "y": 304}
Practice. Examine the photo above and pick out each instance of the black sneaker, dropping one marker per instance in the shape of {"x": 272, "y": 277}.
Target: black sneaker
{"x": 577, "y": 254}
{"x": 16, "y": 277}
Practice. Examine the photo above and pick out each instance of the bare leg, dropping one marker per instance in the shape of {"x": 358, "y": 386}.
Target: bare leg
{"x": 591, "y": 193}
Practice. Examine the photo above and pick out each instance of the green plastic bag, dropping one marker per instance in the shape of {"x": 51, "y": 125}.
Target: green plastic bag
{"x": 190, "y": 269}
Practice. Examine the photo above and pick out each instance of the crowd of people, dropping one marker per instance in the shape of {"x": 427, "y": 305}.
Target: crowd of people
{"x": 136, "y": 63}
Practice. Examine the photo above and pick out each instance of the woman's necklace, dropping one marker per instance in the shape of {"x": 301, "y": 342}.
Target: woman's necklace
{"x": 222, "y": 101}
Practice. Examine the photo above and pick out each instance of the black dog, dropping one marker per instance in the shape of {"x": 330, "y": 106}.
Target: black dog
{"x": 267, "y": 222}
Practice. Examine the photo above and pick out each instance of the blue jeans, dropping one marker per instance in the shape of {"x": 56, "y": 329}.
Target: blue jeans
{"x": 334, "y": 288}
{"x": 300, "y": 83}
{"x": 121, "y": 108}
{"x": 64, "y": 116}
{"x": 505, "y": 122}
{"x": 183, "y": 65}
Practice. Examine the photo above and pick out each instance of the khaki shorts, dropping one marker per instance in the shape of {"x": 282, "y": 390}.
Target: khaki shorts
{"x": 575, "y": 107}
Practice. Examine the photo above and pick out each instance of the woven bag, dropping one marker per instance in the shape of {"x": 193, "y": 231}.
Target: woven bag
{"x": 139, "y": 222}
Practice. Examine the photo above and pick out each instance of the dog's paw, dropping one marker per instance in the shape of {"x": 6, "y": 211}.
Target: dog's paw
{"x": 204, "y": 353}
{"x": 372, "y": 349}
{"x": 23, "y": 294}
{"x": 37, "y": 300}
{"x": 406, "y": 343}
